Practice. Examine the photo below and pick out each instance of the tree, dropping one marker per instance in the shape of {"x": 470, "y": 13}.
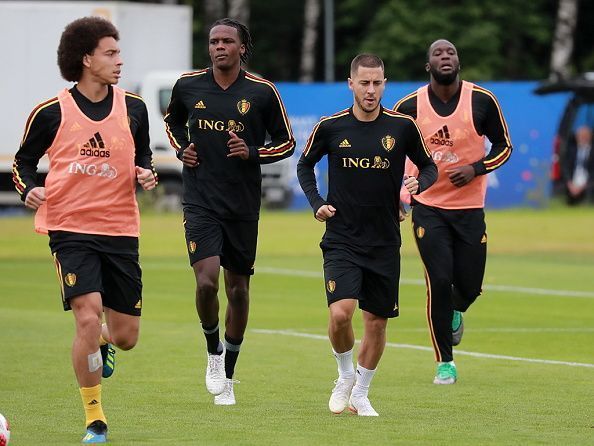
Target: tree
{"x": 563, "y": 39}
{"x": 310, "y": 38}
{"x": 495, "y": 38}
{"x": 213, "y": 10}
{"x": 240, "y": 10}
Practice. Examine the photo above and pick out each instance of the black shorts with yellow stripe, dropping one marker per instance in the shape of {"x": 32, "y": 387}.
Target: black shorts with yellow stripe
{"x": 369, "y": 274}
{"x": 88, "y": 263}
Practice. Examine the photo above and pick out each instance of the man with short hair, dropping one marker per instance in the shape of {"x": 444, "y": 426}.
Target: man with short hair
{"x": 366, "y": 146}
{"x": 96, "y": 137}
{"x": 217, "y": 122}
{"x": 448, "y": 220}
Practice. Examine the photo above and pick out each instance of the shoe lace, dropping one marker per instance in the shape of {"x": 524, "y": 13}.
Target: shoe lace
{"x": 229, "y": 386}
{"x": 445, "y": 370}
{"x": 213, "y": 363}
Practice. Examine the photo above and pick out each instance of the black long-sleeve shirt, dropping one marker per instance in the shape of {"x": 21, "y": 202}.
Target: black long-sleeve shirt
{"x": 365, "y": 170}
{"x": 44, "y": 121}
{"x": 487, "y": 118}
{"x": 203, "y": 113}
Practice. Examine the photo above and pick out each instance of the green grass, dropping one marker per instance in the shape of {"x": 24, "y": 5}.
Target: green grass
{"x": 157, "y": 394}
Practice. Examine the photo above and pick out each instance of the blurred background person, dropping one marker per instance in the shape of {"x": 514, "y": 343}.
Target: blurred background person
{"x": 579, "y": 168}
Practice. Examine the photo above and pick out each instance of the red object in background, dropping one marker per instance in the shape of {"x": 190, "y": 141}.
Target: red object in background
{"x": 555, "y": 164}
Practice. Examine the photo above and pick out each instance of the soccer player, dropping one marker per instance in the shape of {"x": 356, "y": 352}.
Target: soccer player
{"x": 448, "y": 220}
{"x": 366, "y": 146}
{"x": 96, "y": 137}
{"x": 217, "y": 122}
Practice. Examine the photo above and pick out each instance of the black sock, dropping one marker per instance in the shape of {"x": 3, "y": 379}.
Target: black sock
{"x": 212, "y": 339}
{"x": 232, "y": 346}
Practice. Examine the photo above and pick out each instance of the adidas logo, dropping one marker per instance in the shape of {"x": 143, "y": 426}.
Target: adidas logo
{"x": 345, "y": 143}
{"x": 200, "y": 105}
{"x": 93, "y": 402}
{"x": 95, "y": 147}
{"x": 138, "y": 305}
{"x": 442, "y": 137}
{"x": 75, "y": 127}
{"x": 95, "y": 142}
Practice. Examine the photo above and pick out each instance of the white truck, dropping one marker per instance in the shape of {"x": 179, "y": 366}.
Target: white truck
{"x": 152, "y": 37}
{"x": 156, "y": 45}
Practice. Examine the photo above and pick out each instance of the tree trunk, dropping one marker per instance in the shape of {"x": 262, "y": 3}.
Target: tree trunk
{"x": 310, "y": 38}
{"x": 563, "y": 39}
{"x": 240, "y": 10}
{"x": 213, "y": 11}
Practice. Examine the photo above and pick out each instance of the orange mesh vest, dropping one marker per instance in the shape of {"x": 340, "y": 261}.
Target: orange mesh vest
{"x": 453, "y": 141}
{"x": 90, "y": 187}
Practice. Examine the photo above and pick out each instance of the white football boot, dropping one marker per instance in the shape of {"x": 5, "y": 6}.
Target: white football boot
{"x": 361, "y": 406}
{"x": 227, "y": 397}
{"x": 339, "y": 399}
{"x": 215, "y": 373}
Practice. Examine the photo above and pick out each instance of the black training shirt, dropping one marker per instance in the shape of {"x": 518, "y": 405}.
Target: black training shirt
{"x": 365, "y": 170}
{"x": 203, "y": 113}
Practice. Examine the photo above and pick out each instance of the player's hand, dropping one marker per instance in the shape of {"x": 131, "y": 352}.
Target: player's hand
{"x": 145, "y": 178}
{"x": 325, "y": 212}
{"x": 189, "y": 156}
{"x": 411, "y": 184}
{"x": 461, "y": 175}
{"x": 35, "y": 198}
{"x": 401, "y": 212}
{"x": 237, "y": 147}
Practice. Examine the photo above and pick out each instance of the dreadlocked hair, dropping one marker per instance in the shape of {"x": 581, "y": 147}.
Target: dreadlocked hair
{"x": 244, "y": 35}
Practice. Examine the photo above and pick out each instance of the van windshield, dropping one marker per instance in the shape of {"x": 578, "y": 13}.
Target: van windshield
{"x": 164, "y": 98}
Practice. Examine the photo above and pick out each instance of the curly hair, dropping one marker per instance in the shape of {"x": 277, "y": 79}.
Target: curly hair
{"x": 244, "y": 36}
{"x": 79, "y": 38}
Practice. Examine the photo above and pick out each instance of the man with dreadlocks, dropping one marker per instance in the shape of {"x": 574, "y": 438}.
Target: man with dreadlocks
{"x": 217, "y": 122}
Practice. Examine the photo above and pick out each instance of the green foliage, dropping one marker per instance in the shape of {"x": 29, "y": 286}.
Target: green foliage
{"x": 495, "y": 39}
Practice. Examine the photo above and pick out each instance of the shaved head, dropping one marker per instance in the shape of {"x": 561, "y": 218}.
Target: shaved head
{"x": 437, "y": 43}
{"x": 442, "y": 62}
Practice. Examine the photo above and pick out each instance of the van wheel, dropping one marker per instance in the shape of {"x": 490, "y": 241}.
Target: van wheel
{"x": 168, "y": 196}
{"x": 282, "y": 202}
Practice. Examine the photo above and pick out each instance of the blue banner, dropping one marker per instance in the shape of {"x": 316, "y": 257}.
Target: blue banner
{"x": 532, "y": 120}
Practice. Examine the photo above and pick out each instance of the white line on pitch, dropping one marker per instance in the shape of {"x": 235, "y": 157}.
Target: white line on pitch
{"x": 318, "y": 275}
{"x": 506, "y": 288}
{"x": 420, "y": 347}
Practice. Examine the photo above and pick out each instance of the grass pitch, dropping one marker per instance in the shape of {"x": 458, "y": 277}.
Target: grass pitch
{"x": 526, "y": 363}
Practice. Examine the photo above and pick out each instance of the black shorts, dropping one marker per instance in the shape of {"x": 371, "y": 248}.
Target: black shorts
{"x": 88, "y": 263}
{"x": 370, "y": 275}
{"x": 233, "y": 241}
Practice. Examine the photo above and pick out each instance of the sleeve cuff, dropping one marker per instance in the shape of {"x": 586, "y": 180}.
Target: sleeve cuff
{"x": 254, "y": 155}
{"x": 318, "y": 204}
{"x": 479, "y": 168}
